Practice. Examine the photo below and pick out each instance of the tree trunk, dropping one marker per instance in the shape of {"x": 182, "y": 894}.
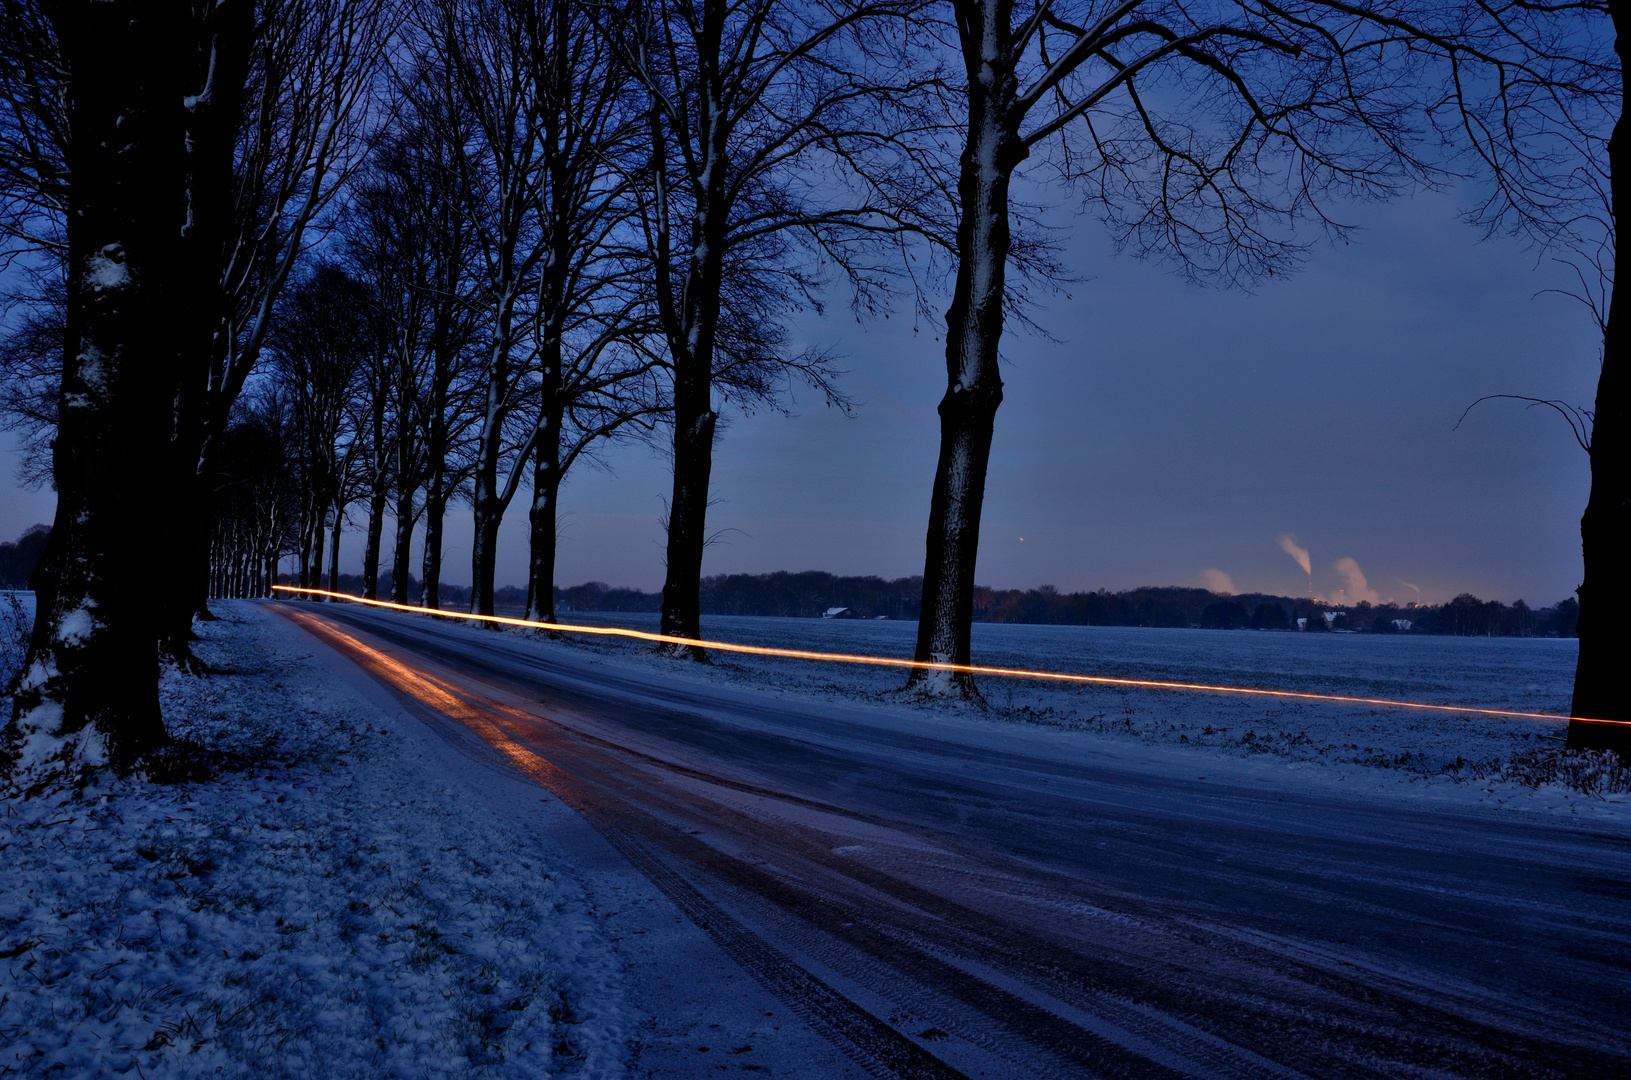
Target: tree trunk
{"x": 334, "y": 551}
{"x": 304, "y": 555}
{"x": 1605, "y": 529}
{"x": 407, "y": 476}
{"x": 402, "y": 556}
{"x": 487, "y": 502}
{"x": 484, "y": 559}
{"x": 973, "y": 337}
{"x": 694, "y": 416}
{"x": 546, "y": 490}
{"x": 430, "y": 589}
{"x": 547, "y": 465}
{"x": 694, "y": 420}
{"x": 90, "y": 684}
{"x": 319, "y": 535}
{"x": 370, "y": 557}
{"x": 430, "y": 573}
{"x": 222, "y": 37}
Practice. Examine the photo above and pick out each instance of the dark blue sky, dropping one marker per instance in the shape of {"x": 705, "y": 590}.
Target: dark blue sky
{"x": 1169, "y": 431}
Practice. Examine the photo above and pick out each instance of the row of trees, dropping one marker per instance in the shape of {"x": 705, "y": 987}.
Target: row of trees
{"x": 535, "y": 259}
{"x": 440, "y": 248}
{"x": 162, "y": 169}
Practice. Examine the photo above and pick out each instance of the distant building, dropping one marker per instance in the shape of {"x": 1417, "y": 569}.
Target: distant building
{"x": 1401, "y": 625}
{"x": 841, "y": 613}
{"x": 1331, "y": 616}
{"x": 1302, "y": 624}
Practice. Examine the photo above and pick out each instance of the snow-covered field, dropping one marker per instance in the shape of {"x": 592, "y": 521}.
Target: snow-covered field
{"x": 329, "y": 907}
{"x": 1517, "y": 674}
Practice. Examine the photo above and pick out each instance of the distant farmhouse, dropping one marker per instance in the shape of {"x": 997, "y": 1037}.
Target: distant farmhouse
{"x": 841, "y": 613}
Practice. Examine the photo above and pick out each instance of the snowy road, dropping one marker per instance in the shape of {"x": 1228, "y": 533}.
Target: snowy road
{"x": 944, "y": 898}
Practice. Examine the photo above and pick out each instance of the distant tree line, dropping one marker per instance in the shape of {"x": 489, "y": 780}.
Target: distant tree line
{"x": 789, "y": 595}
{"x": 1466, "y": 615}
{"x": 18, "y": 559}
{"x": 811, "y": 593}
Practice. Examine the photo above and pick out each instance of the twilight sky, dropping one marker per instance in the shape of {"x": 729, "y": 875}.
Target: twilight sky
{"x": 1169, "y": 431}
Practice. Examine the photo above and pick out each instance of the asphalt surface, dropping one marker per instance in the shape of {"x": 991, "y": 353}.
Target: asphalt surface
{"x": 938, "y": 901}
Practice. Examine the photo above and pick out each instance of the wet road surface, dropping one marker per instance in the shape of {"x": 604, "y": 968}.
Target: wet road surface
{"x": 939, "y": 902}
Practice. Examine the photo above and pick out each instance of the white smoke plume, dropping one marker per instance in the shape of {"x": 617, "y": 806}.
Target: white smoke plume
{"x": 1215, "y": 580}
{"x": 1407, "y": 585}
{"x": 1298, "y": 552}
{"x": 1355, "y": 587}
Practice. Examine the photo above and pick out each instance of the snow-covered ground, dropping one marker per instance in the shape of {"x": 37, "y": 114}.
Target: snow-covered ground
{"x": 339, "y": 903}
{"x": 1517, "y": 674}
{"x": 332, "y": 906}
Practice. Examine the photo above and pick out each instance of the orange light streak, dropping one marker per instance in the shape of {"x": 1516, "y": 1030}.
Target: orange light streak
{"x": 932, "y": 665}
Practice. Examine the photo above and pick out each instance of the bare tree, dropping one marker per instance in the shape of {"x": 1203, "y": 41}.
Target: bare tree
{"x": 384, "y": 248}
{"x": 319, "y": 340}
{"x": 1201, "y": 133}
{"x": 547, "y": 122}
{"x": 410, "y": 236}
{"x": 749, "y": 101}
{"x": 432, "y": 192}
{"x": 272, "y": 96}
{"x": 381, "y": 432}
{"x": 1534, "y": 95}
{"x": 592, "y": 295}
{"x": 295, "y": 133}
{"x": 256, "y": 513}
{"x": 90, "y": 687}
{"x": 487, "y": 49}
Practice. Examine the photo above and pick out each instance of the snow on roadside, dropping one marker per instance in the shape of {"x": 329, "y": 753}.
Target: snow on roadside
{"x": 329, "y": 908}
{"x": 1511, "y": 762}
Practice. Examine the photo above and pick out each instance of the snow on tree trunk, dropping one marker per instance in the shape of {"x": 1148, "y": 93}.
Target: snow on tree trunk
{"x": 694, "y": 416}
{"x": 546, "y": 451}
{"x": 973, "y": 336}
{"x": 1605, "y": 527}
{"x": 88, "y": 693}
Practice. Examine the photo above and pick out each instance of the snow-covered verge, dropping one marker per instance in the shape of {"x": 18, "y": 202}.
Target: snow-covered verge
{"x": 1491, "y": 755}
{"x": 324, "y": 906}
